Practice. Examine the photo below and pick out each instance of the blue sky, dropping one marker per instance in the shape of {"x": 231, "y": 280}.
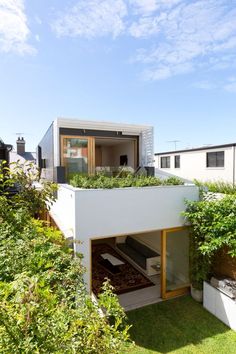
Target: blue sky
{"x": 168, "y": 63}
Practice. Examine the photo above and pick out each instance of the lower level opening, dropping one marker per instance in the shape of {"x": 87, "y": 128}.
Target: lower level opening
{"x": 133, "y": 265}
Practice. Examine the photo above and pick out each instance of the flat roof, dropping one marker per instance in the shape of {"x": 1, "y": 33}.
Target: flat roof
{"x": 196, "y": 149}
{"x": 100, "y": 125}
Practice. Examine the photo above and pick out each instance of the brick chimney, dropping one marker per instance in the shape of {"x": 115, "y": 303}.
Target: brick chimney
{"x": 20, "y": 146}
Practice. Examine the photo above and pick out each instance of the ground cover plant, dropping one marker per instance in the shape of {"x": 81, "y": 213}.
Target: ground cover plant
{"x": 179, "y": 326}
{"x": 102, "y": 181}
{"x": 44, "y": 307}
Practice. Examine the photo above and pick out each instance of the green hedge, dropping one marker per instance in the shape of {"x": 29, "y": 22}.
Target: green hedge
{"x": 213, "y": 227}
{"x": 102, "y": 181}
{"x": 218, "y": 186}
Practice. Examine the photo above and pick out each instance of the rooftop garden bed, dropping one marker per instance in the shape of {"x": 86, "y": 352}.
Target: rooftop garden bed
{"x": 218, "y": 186}
{"x": 130, "y": 180}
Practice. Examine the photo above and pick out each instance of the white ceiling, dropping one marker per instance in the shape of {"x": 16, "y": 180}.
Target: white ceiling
{"x": 111, "y": 141}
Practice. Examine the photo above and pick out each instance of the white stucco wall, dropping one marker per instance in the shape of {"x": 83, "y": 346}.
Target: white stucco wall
{"x": 63, "y": 211}
{"x": 102, "y": 213}
{"x": 193, "y": 165}
{"x": 220, "y": 305}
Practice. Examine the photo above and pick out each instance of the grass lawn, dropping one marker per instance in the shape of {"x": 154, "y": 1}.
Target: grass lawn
{"x": 179, "y": 326}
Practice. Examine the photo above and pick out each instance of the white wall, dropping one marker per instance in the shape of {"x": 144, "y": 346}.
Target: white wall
{"x": 111, "y": 154}
{"x": 102, "y": 213}
{"x": 110, "y": 213}
{"x": 127, "y": 148}
{"x": 220, "y": 305}
{"x": 106, "y": 213}
{"x": 63, "y": 211}
{"x": 107, "y": 156}
{"x": 193, "y": 165}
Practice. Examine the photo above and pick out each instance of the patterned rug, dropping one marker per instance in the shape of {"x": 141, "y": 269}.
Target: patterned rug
{"x": 124, "y": 278}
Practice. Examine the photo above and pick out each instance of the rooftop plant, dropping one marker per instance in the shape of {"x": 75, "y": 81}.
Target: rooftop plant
{"x": 130, "y": 180}
{"x": 218, "y": 186}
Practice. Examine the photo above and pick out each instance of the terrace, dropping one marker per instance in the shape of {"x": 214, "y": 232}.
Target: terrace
{"x": 102, "y": 210}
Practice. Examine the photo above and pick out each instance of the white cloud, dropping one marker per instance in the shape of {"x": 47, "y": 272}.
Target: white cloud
{"x": 92, "y": 18}
{"x": 148, "y": 6}
{"x": 143, "y": 6}
{"x": 178, "y": 36}
{"x": 14, "y": 31}
{"x": 188, "y": 35}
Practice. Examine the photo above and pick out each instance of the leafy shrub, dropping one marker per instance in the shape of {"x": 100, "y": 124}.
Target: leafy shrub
{"x": 23, "y": 179}
{"x": 102, "y": 181}
{"x": 218, "y": 186}
{"x": 44, "y": 307}
{"x": 213, "y": 224}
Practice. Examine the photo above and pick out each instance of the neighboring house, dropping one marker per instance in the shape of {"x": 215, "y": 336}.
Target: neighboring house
{"x": 20, "y": 155}
{"x": 5, "y": 150}
{"x": 135, "y": 236}
{"x": 78, "y": 146}
{"x": 211, "y": 163}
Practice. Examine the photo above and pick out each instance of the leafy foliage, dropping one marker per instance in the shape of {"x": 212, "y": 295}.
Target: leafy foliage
{"x": 24, "y": 179}
{"x": 218, "y": 186}
{"x": 44, "y": 307}
{"x": 213, "y": 224}
{"x": 130, "y": 180}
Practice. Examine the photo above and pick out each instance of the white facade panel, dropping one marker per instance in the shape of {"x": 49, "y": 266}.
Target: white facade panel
{"x": 193, "y": 165}
{"x": 63, "y": 211}
{"x": 220, "y": 305}
{"x": 103, "y": 213}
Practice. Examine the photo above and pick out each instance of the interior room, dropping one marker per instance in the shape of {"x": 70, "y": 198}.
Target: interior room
{"x": 143, "y": 268}
{"x": 115, "y": 152}
{"x": 135, "y": 285}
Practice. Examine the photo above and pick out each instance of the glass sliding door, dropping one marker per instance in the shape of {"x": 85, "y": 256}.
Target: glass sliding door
{"x": 77, "y": 155}
{"x": 175, "y": 262}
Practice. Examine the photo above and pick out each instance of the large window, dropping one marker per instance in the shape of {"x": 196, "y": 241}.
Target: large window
{"x": 77, "y": 154}
{"x": 165, "y": 162}
{"x": 177, "y": 161}
{"x": 215, "y": 159}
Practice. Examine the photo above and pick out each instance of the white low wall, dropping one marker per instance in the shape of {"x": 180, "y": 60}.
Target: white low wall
{"x": 63, "y": 210}
{"x": 220, "y": 305}
{"x": 111, "y": 212}
{"x": 101, "y": 213}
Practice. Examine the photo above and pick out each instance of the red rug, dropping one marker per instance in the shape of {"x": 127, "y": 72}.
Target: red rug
{"x": 124, "y": 278}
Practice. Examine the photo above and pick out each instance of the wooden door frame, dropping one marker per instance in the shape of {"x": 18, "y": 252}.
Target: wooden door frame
{"x": 91, "y": 150}
{"x": 164, "y": 293}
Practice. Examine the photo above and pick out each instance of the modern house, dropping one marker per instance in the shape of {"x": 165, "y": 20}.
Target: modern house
{"x": 135, "y": 236}
{"x": 211, "y": 163}
{"x": 78, "y": 146}
{"x": 20, "y": 155}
